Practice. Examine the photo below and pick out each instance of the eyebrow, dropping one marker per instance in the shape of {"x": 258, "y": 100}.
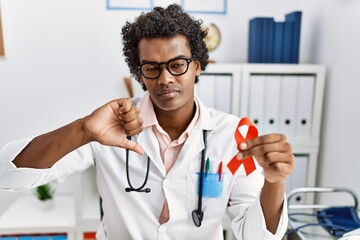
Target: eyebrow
{"x": 179, "y": 56}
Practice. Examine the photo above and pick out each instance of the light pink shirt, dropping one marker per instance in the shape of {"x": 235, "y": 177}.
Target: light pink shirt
{"x": 169, "y": 150}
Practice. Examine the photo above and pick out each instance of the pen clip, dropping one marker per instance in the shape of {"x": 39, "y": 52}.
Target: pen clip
{"x": 207, "y": 166}
{"x": 220, "y": 171}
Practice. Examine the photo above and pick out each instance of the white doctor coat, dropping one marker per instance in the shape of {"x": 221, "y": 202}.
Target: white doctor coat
{"x": 135, "y": 215}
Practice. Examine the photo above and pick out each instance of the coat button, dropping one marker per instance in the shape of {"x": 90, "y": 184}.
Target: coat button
{"x": 162, "y": 229}
{"x": 166, "y": 182}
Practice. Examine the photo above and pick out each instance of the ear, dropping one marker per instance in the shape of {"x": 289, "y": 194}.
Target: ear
{"x": 140, "y": 80}
{"x": 198, "y": 67}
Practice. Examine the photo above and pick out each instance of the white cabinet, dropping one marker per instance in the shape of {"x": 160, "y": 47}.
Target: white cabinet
{"x": 25, "y": 217}
{"x": 285, "y": 98}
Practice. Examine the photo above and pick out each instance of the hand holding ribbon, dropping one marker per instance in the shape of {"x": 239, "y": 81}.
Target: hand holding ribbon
{"x": 252, "y": 132}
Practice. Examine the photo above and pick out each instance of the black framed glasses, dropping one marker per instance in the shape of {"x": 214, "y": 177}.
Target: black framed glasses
{"x": 176, "y": 67}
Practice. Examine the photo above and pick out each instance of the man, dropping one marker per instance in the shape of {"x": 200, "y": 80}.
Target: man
{"x": 172, "y": 129}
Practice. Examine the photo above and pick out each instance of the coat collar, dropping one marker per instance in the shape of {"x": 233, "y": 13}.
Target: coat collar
{"x": 192, "y": 147}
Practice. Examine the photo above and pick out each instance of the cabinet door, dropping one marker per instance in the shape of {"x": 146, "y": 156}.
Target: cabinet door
{"x": 298, "y": 177}
{"x": 288, "y": 97}
{"x": 215, "y": 90}
{"x": 257, "y": 100}
{"x": 304, "y": 107}
{"x": 272, "y": 103}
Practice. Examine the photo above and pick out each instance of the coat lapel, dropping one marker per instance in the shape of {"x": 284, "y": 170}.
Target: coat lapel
{"x": 194, "y": 145}
{"x": 148, "y": 141}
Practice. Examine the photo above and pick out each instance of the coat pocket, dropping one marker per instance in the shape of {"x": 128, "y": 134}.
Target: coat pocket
{"x": 214, "y": 202}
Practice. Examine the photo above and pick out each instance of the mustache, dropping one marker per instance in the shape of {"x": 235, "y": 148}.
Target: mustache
{"x": 166, "y": 90}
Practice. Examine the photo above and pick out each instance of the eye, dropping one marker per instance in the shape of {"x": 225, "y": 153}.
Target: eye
{"x": 149, "y": 68}
{"x": 179, "y": 63}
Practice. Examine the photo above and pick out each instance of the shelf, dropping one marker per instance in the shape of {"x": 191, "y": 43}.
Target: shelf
{"x": 25, "y": 217}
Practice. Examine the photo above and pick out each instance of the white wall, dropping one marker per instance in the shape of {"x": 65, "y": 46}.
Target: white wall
{"x": 64, "y": 58}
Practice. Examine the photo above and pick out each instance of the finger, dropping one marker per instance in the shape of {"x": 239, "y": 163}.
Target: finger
{"x": 135, "y": 131}
{"x": 263, "y": 149}
{"x": 276, "y": 157}
{"x": 124, "y": 105}
{"x": 264, "y": 139}
{"x": 131, "y": 125}
{"x": 132, "y": 145}
{"x": 278, "y": 170}
{"x": 121, "y": 106}
{"x": 131, "y": 115}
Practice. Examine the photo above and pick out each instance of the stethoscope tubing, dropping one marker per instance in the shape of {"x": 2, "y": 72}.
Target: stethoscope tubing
{"x": 197, "y": 214}
{"x": 141, "y": 188}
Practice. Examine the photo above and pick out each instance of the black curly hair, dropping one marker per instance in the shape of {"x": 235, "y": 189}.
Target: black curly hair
{"x": 163, "y": 23}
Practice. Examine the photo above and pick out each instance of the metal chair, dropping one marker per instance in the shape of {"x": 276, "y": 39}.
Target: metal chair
{"x": 300, "y": 214}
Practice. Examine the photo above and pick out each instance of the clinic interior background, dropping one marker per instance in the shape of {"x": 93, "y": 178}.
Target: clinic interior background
{"x": 64, "y": 59}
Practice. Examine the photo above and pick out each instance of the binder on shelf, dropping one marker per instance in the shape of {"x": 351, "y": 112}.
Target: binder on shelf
{"x": 37, "y": 238}
{"x": 255, "y": 35}
{"x": 288, "y": 38}
{"x": 89, "y": 236}
{"x": 278, "y": 43}
{"x": 267, "y": 40}
{"x": 261, "y": 38}
{"x": 60, "y": 237}
{"x": 305, "y": 102}
{"x": 275, "y": 42}
{"x": 288, "y": 104}
{"x": 272, "y": 103}
{"x": 295, "y": 18}
{"x": 256, "y": 101}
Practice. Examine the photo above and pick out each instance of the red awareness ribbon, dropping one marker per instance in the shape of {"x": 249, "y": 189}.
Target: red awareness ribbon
{"x": 249, "y": 164}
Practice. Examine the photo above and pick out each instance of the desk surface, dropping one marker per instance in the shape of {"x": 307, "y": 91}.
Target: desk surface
{"x": 25, "y": 216}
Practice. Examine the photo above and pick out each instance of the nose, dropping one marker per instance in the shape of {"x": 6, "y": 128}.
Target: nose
{"x": 165, "y": 77}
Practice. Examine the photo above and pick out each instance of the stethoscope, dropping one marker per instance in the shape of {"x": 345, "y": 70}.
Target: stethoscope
{"x": 197, "y": 214}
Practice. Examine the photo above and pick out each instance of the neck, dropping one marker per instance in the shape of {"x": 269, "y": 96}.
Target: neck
{"x": 175, "y": 122}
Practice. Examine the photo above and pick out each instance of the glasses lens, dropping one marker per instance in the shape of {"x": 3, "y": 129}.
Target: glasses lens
{"x": 150, "y": 70}
{"x": 178, "y": 66}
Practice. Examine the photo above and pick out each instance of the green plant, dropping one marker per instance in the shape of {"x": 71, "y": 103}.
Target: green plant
{"x": 44, "y": 192}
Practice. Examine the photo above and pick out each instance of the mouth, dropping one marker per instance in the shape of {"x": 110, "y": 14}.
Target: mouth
{"x": 167, "y": 92}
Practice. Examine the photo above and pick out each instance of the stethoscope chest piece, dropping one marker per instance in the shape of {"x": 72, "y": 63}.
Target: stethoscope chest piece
{"x": 197, "y": 217}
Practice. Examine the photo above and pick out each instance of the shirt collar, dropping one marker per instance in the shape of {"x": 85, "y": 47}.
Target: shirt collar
{"x": 148, "y": 116}
{"x": 147, "y": 112}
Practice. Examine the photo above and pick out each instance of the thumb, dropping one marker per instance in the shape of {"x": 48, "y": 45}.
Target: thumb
{"x": 133, "y": 146}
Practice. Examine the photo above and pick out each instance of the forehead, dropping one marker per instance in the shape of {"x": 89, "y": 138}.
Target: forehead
{"x": 162, "y": 49}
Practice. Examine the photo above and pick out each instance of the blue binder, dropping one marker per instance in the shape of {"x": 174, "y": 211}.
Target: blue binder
{"x": 267, "y": 40}
{"x": 288, "y": 38}
{"x": 277, "y": 52}
{"x": 255, "y": 35}
{"x": 295, "y": 17}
